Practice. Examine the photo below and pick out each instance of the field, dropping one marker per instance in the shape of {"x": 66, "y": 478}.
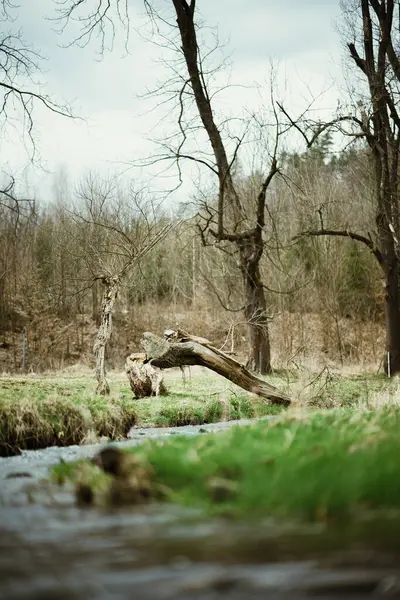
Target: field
{"x": 36, "y": 412}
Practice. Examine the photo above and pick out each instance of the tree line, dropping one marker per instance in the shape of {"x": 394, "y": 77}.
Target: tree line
{"x": 55, "y": 259}
{"x": 311, "y": 231}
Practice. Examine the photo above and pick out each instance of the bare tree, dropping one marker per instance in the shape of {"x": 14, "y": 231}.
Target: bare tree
{"x": 235, "y": 225}
{"x": 235, "y": 220}
{"x": 375, "y": 53}
{"x": 229, "y": 223}
{"x": 92, "y": 19}
{"x": 12, "y": 201}
{"x": 116, "y": 232}
{"x": 20, "y": 94}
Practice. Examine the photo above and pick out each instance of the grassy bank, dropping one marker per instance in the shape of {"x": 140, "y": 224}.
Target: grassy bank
{"x": 36, "y": 412}
{"x": 314, "y": 466}
{"x": 47, "y": 411}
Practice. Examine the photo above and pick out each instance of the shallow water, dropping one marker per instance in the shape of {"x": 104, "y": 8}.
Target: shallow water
{"x": 49, "y": 548}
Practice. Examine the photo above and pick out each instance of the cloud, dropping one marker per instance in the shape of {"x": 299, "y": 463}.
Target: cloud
{"x": 298, "y": 35}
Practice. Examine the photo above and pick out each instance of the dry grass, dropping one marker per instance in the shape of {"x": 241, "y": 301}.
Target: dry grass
{"x": 58, "y": 411}
{"x": 32, "y": 420}
{"x": 297, "y": 339}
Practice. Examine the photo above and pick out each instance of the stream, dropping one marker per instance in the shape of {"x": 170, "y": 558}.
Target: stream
{"x": 50, "y": 548}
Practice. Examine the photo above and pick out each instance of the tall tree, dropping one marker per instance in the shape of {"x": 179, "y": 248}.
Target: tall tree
{"x": 231, "y": 222}
{"x": 239, "y": 228}
{"x": 375, "y": 53}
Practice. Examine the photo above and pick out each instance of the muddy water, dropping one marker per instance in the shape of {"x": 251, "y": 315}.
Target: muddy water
{"x": 51, "y": 549}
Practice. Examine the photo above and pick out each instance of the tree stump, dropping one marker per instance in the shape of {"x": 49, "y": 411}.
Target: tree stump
{"x": 144, "y": 379}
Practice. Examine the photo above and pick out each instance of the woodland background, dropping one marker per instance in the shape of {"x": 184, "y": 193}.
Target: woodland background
{"x": 324, "y": 294}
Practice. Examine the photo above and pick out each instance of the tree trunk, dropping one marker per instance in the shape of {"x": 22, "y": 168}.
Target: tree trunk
{"x": 392, "y": 313}
{"x": 95, "y": 302}
{"x": 184, "y": 350}
{"x": 388, "y": 231}
{"x": 110, "y": 293}
{"x": 143, "y": 378}
{"x": 255, "y": 312}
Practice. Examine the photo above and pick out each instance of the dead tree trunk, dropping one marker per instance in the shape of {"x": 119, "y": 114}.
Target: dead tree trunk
{"x": 392, "y": 313}
{"x": 99, "y": 348}
{"x": 184, "y": 350}
{"x": 255, "y": 312}
{"x": 144, "y": 379}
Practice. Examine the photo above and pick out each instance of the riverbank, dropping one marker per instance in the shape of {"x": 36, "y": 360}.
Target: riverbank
{"x": 61, "y": 409}
{"x": 314, "y": 466}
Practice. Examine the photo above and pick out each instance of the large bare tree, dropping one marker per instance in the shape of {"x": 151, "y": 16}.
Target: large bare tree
{"x": 231, "y": 221}
{"x": 115, "y": 231}
{"x": 374, "y": 51}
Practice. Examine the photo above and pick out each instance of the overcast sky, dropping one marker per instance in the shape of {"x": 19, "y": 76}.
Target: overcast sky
{"x": 299, "y": 36}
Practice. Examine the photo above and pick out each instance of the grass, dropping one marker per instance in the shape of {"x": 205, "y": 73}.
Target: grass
{"x": 316, "y": 466}
{"x": 328, "y": 389}
{"x": 36, "y": 412}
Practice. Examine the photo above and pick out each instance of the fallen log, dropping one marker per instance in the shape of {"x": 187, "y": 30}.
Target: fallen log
{"x": 179, "y": 349}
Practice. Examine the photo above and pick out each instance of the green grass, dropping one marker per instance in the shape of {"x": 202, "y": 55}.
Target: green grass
{"x": 36, "y": 412}
{"x": 319, "y": 466}
{"x": 40, "y": 412}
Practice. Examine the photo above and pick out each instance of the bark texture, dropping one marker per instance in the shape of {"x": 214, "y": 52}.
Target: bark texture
{"x": 255, "y": 311}
{"x": 145, "y": 380}
{"x": 179, "y": 349}
{"x": 111, "y": 287}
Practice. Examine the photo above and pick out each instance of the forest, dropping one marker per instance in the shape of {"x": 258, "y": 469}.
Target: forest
{"x": 324, "y": 296}
{"x": 288, "y": 257}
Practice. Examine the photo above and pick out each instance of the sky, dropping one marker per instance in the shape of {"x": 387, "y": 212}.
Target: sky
{"x": 115, "y": 125}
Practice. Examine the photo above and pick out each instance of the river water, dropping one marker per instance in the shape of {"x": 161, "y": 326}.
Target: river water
{"x": 50, "y": 548}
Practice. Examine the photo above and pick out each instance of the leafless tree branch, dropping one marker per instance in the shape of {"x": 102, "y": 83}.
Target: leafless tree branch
{"x": 354, "y": 236}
